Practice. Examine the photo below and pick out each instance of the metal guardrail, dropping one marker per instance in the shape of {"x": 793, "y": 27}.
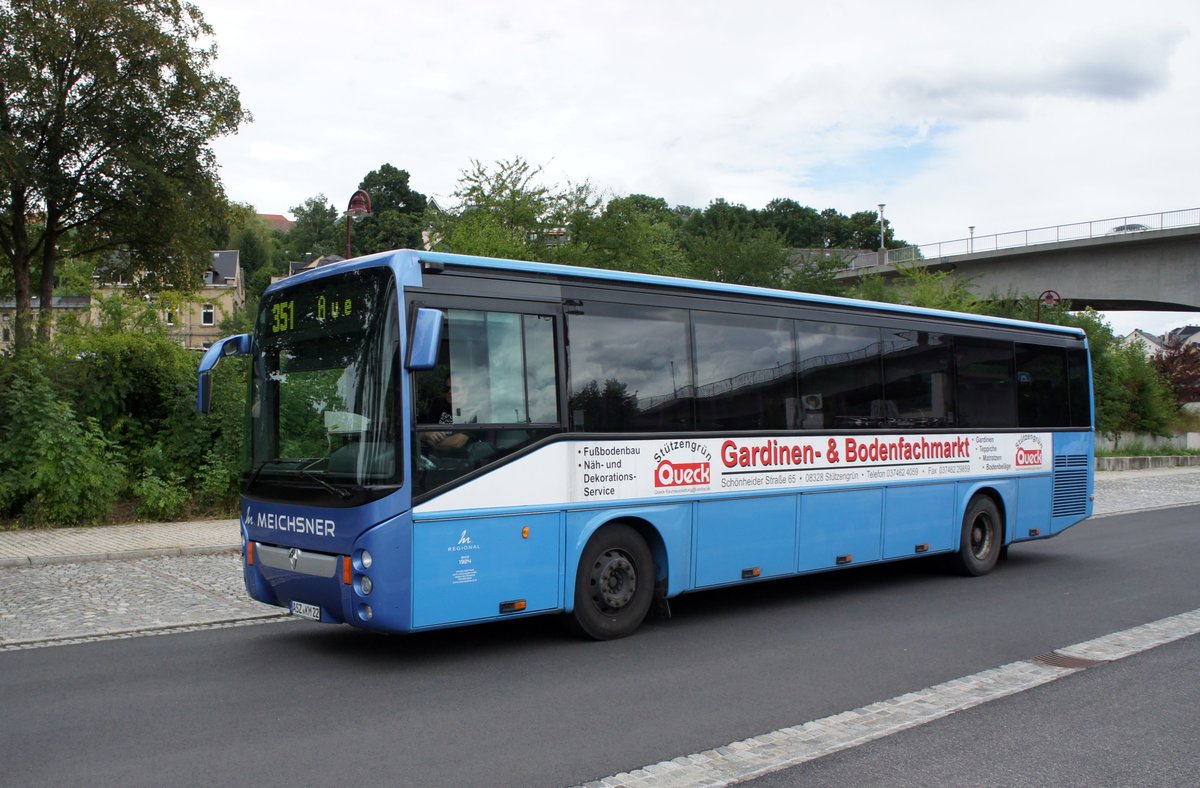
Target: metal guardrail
{"x": 1098, "y": 228}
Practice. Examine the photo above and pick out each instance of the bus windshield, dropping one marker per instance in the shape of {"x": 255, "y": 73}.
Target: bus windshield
{"x": 323, "y": 400}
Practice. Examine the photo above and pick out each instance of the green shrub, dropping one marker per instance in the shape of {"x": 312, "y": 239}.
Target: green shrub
{"x": 160, "y": 499}
{"x": 54, "y": 467}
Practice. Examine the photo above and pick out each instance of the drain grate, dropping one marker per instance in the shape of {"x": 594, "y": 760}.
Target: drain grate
{"x": 1057, "y": 660}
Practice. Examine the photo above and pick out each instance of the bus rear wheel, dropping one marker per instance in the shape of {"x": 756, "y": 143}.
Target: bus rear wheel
{"x": 980, "y": 543}
{"x": 614, "y": 585}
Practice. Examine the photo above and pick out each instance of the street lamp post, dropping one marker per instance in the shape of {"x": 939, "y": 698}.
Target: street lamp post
{"x": 971, "y": 243}
{"x": 882, "y": 246}
{"x": 360, "y": 206}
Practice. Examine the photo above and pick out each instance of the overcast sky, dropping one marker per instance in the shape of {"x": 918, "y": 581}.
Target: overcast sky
{"x": 1023, "y": 115}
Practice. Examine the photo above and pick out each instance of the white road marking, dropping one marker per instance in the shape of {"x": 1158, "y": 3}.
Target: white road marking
{"x": 787, "y": 747}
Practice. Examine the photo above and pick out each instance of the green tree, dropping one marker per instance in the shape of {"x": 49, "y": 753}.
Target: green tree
{"x": 316, "y": 230}
{"x": 397, "y": 216}
{"x": 722, "y": 217}
{"x": 725, "y": 245}
{"x": 635, "y": 233}
{"x": 815, "y": 272}
{"x": 800, "y": 226}
{"x": 507, "y": 210}
{"x": 1146, "y": 404}
{"x": 108, "y": 108}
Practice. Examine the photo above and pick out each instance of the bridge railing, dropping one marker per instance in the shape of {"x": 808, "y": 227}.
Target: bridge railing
{"x": 1117, "y": 225}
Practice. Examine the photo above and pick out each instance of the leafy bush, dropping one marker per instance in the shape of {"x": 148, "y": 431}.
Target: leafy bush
{"x": 141, "y": 387}
{"x": 54, "y": 467}
{"x": 101, "y": 415}
{"x": 160, "y": 499}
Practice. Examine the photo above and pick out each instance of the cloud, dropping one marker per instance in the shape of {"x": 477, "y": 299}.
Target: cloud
{"x": 1030, "y": 114}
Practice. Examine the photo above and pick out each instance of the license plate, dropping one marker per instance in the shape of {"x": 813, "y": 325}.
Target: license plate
{"x": 305, "y": 610}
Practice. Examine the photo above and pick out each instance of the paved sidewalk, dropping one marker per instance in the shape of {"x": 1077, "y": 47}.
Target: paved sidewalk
{"x": 1116, "y": 491}
{"x": 109, "y": 542}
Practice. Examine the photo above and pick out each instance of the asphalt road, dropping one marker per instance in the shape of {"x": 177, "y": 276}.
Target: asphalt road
{"x": 1131, "y": 722}
{"x": 523, "y": 704}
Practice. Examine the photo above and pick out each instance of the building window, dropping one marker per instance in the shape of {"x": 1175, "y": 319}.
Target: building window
{"x": 7, "y": 336}
{"x": 170, "y": 317}
{"x": 208, "y": 315}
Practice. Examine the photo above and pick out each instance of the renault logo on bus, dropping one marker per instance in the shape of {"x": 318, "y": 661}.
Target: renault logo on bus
{"x": 689, "y": 466}
{"x": 1029, "y": 452}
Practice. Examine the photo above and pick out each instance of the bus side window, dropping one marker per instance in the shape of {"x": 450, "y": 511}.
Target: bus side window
{"x": 839, "y": 373}
{"x": 916, "y": 380}
{"x": 745, "y": 372}
{"x": 984, "y": 374}
{"x": 631, "y": 370}
{"x": 1042, "y": 398}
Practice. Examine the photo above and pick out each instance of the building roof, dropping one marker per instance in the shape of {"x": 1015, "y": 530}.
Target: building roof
{"x": 1184, "y": 334}
{"x": 277, "y": 221}
{"x": 225, "y": 265}
{"x": 56, "y": 302}
{"x": 296, "y": 266}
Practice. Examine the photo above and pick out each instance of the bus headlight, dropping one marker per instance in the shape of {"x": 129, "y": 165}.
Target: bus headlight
{"x": 365, "y": 559}
{"x": 365, "y": 612}
{"x": 365, "y": 585}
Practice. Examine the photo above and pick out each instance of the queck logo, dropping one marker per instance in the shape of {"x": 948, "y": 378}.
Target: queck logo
{"x": 682, "y": 474}
{"x": 690, "y": 467}
{"x": 1029, "y": 452}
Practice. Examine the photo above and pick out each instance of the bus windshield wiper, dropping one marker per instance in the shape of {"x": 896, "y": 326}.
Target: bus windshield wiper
{"x": 276, "y": 461}
{"x": 341, "y": 492}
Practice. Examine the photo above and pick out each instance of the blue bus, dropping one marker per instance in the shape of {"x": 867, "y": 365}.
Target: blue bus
{"x": 438, "y": 440}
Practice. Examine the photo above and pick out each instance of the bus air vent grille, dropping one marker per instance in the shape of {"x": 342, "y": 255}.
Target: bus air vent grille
{"x": 1070, "y": 485}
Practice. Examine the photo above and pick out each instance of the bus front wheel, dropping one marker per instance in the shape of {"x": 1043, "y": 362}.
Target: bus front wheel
{"x": 980, "y": 543}
{"x": 614, "y": 585}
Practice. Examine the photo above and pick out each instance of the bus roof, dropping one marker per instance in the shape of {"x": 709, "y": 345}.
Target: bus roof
{"x": 399, "y": 258}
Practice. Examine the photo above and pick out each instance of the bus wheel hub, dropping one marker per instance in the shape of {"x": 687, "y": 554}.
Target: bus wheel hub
{"x": 614, "y": 580}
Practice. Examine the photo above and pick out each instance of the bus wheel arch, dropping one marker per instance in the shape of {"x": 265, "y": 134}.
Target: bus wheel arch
{"x": 616, "y": 580}
{"x": 982, "y": 536}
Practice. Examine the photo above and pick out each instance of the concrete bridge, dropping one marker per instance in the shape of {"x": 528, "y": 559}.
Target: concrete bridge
{"x": 1148, "y": 262}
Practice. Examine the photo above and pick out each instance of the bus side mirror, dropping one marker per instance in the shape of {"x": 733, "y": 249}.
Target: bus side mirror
{"x": 425, "y": 339}
{"x": 238, "y": 345}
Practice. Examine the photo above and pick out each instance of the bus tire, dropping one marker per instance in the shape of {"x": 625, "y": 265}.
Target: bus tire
{"x": 980, "y": 543}
{"x": 614, "y": 585}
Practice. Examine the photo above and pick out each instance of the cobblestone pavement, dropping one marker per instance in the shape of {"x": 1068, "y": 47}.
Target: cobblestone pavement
{"x": 68, "y": 601}
{"x": 82, "y": 583}
{"x": 1127, "y": 491}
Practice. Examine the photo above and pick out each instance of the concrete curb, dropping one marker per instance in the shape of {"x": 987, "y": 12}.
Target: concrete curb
{"x": 166, "y": 629}
{"x": 1145, "y": 463}
{"x": 117, "y": 555}
{"x": 1141, "y": 509}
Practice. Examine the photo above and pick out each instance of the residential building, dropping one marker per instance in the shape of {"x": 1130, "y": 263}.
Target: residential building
{"x": 195, "y": 323}
{"x": 77, "y": 306}
{"x": 1150, "y": 344}
{"x": 1186, "y": 335}
{"x": 192, "y": 320}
